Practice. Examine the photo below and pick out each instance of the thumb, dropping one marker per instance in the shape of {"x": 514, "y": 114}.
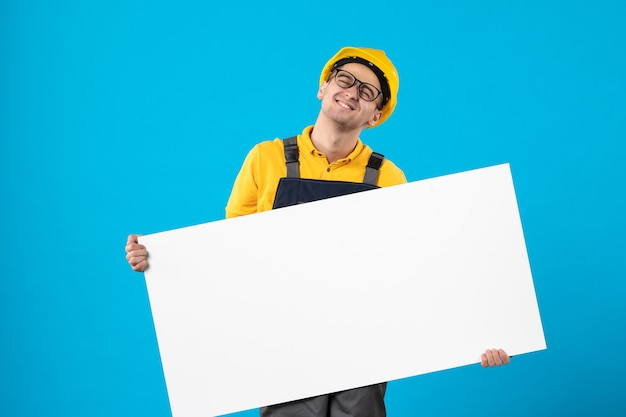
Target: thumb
{"x": 133, "y": 239}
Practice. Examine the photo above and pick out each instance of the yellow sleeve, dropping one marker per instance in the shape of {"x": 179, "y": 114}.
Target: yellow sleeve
{"x": 390, "y": 175}
{"x": 244, "y": 195}
{"x": 255, "y": 186}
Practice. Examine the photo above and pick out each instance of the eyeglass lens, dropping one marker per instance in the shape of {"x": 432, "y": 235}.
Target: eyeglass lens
{"x": 366, "y": 91}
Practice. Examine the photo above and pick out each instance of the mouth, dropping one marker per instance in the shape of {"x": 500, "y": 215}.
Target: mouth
{"x": 344, "y": 105}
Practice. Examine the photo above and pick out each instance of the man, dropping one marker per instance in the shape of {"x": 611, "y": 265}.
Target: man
{"x": 358, "y": 90}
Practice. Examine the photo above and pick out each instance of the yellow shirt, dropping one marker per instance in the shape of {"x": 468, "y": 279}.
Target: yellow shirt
{"x": 255, "y": 186}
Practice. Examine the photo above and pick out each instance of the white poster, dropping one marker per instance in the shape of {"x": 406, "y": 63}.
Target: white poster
{"x": 341, "y": 293}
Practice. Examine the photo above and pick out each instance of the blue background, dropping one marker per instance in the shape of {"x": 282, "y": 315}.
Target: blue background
{"x": 120, "y": 117}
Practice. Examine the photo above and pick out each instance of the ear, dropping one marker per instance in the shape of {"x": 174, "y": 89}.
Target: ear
{"x": 320, "y": 92}
{"x": 375, "y": 118}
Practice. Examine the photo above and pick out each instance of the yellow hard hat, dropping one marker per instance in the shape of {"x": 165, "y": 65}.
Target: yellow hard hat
{"x": 377, "y": 61}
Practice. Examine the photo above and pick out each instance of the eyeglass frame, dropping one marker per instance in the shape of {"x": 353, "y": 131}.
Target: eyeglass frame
{"x": 358, "y": 89}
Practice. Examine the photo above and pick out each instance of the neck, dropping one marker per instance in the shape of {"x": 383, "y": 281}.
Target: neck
{"x": 332, "y": 142}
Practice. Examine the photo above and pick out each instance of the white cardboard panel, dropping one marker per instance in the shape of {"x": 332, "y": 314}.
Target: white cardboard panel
{"x": 341, "y": 293}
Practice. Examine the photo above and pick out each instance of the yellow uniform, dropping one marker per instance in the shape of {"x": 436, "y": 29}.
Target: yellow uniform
{"x": 255, "y": 186}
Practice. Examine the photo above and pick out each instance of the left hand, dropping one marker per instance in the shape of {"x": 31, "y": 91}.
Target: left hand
{"x": 494, "y": 357}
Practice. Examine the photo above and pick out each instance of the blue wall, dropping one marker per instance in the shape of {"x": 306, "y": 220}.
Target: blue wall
{"x": 120, "y": 117}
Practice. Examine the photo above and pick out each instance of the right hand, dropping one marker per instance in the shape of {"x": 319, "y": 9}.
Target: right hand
{"x": 136, "y": 254}
{"x": 494, "y": 357}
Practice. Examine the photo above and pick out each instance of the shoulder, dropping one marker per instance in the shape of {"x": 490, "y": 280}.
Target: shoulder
{"x": 268, "y": 146}
{"x": 390, "y": 173}
{"x": 266, "y": 151}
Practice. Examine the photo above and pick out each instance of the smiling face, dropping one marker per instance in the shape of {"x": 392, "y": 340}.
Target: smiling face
{"x": 344, "y": 106}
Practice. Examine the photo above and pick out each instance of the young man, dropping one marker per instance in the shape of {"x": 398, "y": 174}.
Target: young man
{"x": 358, "y": 90}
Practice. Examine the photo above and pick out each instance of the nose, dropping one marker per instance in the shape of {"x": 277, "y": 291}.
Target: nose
{"x": 352, "y": 92}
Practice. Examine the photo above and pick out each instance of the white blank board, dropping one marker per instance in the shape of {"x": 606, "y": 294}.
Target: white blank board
{"x": 341, "y": 293}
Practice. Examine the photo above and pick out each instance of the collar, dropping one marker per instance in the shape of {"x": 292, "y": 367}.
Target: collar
{"x": 307, "y": 146}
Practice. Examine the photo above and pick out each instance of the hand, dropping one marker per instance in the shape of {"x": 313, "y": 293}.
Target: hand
{"x": 136, "y": 254}
{"x": 494, "y": 357}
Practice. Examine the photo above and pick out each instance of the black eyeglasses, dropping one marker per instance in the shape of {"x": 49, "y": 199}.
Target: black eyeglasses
{"x": 346, "y": 80}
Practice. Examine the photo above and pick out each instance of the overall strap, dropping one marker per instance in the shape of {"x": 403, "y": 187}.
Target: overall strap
{"x": 293, "y": 165}
{"x": 373, "y": 166}
{"x": 291, "y": 156}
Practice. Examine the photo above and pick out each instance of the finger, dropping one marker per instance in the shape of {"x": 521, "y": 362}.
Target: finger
{"x": 137, "y": 260}
{"x": 141, "y": 266}
{"x": 496, "y": 358}
{"x": 136, "y": 254}
{"x": 483, "y": 361}
{"x": 134, "y": 260}
{"x": 504, "y": 357}
{"x": 135, "y": 247}
{"x": 132, "y": 239}
{"x": 132, "y": 243}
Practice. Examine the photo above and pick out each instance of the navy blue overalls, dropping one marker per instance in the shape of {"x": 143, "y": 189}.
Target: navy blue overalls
{"x": 294, "y": 190}
{"x": 360, "y": 402}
